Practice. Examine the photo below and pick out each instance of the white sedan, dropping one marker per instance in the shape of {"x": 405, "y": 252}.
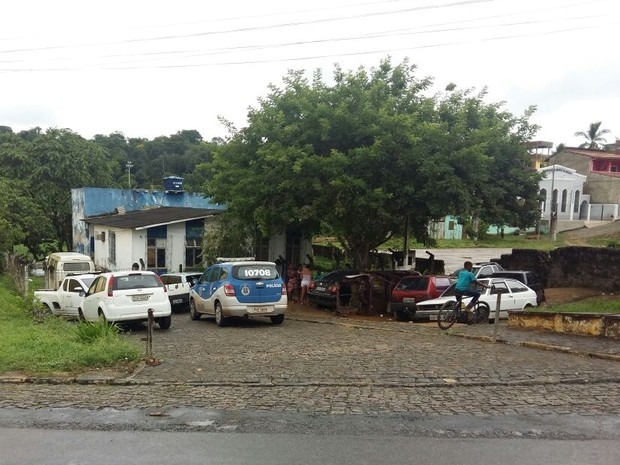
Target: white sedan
{"x": 515, "y": 296}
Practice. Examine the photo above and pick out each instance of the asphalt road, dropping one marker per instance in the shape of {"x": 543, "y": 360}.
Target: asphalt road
{"x": 29, "y": 446}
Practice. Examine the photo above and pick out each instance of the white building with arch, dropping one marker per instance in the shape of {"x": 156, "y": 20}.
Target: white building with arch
{"x": 563, "y": 187}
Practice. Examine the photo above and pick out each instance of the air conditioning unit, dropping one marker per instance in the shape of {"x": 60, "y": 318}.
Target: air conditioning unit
{"x": 100, "y": 236}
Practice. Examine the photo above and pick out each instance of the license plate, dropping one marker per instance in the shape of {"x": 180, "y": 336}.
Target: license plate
{"x": 432, "y": 317}
{"x": 140, "y": 298}
{"x": 259, "y": 309}
{"x": 408, "y": 300}
{"x": 177, "y": 301}
{"x": 320, "y": 288}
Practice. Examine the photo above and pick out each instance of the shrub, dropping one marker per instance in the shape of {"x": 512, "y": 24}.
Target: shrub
{"x": 89, "y": 332}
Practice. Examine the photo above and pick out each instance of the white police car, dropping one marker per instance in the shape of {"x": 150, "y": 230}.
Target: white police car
{"x": 244, "y": 289}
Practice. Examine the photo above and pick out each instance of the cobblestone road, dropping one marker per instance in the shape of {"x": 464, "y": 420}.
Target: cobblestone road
{"x": 341, "y": 369}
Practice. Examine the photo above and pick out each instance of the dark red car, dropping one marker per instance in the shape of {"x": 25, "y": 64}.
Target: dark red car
{"x": 413, "y": 289}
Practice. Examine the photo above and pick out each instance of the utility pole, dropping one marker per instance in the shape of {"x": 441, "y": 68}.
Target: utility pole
{"x": 553, "y": 218}
{"x": 129, "y": 165}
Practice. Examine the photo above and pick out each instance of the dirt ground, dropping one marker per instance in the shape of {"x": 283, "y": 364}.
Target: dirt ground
{"x": 561, "y": 295}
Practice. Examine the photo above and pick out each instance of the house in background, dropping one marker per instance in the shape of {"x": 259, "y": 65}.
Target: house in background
{"x": 602, "y": 184}
{"x": 446, "y": 228}
{"x": 563, "y": 187}
{"x": 159, "y": 230}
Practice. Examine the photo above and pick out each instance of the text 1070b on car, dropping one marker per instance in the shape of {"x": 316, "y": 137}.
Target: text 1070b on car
{"x": 239, "y": 289}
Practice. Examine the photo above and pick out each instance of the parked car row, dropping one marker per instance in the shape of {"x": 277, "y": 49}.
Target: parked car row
{"x": 255, "y": 289}
{"x": 420, "y": 297}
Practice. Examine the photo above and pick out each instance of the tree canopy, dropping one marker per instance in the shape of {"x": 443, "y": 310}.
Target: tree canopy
{"x": 359, "y": 155}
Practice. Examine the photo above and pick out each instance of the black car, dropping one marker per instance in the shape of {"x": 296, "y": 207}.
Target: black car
{"x": 324, "y": 290}
{"x": 529, "y": 278}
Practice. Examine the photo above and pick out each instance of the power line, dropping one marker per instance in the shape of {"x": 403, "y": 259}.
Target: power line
{"x": 250, "y": 28}
{"x": 313, "y": 57}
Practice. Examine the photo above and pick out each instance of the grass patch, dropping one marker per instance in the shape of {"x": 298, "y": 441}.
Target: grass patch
{"x": 604, "y": 304}
{"x": 35, "y": 345}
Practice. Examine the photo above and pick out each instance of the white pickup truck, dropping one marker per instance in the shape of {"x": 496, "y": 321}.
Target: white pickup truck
{"x": 178, "y": 286}
{"x": 65, "y": 300}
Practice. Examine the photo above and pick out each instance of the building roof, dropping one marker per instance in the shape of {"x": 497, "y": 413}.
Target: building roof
{"x": 148, "y": 218}
{"x": 592, "y": 153}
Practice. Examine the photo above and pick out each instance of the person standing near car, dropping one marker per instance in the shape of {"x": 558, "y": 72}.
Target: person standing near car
{"x": 464, "y": 283}
{"x": 292, "y": 282}
{"x": 306, "y": 279}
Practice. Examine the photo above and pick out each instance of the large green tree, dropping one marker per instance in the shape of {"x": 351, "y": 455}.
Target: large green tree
{"x": 593, "y": 136}
{"x": 358, "y": 156}
{"x": 50, "y": 164}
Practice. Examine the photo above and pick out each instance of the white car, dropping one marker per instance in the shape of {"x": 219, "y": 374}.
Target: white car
{"x": 65, "y": 300}
{"x": 123, "y": 296}
{"x": 178, "y": 286}
{"x": 515, "y": 296}
{"x": 244, "y": 289}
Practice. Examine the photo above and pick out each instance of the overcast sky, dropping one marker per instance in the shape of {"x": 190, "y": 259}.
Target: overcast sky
{"x": 150, "y": 68}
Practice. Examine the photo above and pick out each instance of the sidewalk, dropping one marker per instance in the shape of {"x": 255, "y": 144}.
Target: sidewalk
{"x": 587, "y": 346}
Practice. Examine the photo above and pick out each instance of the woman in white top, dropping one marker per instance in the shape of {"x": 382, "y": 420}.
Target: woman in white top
{"x": 306, "y": 278}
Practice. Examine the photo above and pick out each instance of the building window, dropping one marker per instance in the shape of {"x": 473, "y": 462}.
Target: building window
{"x": 564, "y": 195}
{"x": 156, "y": 253}
{"x": 576, "y": 209}
{"x": 451, "y": 225}
{"x": 112, "y": 247}
{"x": 193, "y": 253}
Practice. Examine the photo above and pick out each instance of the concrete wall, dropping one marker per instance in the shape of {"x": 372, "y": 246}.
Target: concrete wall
{"x": 593, "y": 267}
{"x": 580, "y": 163}
{"x": 604, "y": 188}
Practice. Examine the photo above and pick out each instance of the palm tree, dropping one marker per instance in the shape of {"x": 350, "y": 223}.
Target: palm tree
{"x": 593, "y": 136}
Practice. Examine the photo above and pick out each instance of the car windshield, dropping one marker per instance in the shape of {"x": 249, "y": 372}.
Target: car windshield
{"x": 412, "y": 284}
{"x": 170, "y": 279}
{"x": 135, "y": 281}
{"x": 87, "y": 282}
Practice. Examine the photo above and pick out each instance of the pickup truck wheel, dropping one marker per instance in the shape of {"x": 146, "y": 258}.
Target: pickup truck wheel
{"x": 219, "y": 315}
{"x": 102, "y": 316}
{"x": 46, "y": 309}
{"x": 165, "y": 322}
{"x": 81, "y": 315}
{"x": 193, "y": 313}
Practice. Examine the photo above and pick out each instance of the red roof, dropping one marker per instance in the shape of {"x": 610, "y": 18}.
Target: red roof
{"x": 593, "y": 153}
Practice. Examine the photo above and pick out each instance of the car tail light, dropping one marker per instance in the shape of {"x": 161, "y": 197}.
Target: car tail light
{"x": 111, "y": 286}
{"x": 283, "y": 290}
{"x": 229, "y": 289}
{"x": 333, "y": 289}
{"x": 312, "y": 285}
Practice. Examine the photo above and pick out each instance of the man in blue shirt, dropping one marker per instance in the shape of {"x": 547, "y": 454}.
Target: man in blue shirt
{"x": 464, "y": 282}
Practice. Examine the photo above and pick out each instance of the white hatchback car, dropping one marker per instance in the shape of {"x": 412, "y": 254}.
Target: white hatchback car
{"x": 515, "y": 296}
{"x": 239, "y": 289}
{"x": 123, "y": 296}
